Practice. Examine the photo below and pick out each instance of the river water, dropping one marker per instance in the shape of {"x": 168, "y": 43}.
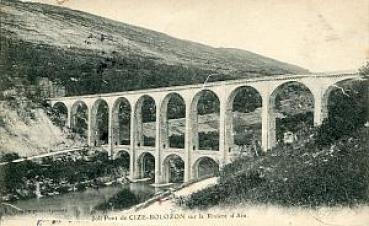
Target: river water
{"x": 82, "y": 203}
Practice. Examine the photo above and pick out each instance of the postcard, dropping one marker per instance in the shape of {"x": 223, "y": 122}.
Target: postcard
{"x": 169, "y": 113}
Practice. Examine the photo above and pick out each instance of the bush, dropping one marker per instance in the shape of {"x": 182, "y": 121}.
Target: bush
{"x": 8, "y": 157}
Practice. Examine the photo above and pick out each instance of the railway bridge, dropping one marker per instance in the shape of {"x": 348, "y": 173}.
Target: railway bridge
{"x": 133, "y": 105}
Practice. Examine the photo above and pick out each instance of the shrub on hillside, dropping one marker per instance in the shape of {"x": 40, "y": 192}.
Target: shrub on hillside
{"x": 236, "y": 186}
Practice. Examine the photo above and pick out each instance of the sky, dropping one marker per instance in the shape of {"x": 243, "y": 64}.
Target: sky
{"x": 320, "y": 35}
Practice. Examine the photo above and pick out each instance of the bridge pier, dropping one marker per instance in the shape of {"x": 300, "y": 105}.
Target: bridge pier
{"x": 133, "y": 165}
{"x": 222, "y": 129}
{"x": 268, "y": 122}
{"x": 321, "y": 103}
{"x": 158, "y": 144}
{"x": 89, "y": 126}
{"x": 68, "y": 123}
{"x": 188, "y": 140}
{"x": 110, "y": 132}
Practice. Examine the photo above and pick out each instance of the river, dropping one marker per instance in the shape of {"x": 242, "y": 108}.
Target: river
{"x": 81, "y": 203}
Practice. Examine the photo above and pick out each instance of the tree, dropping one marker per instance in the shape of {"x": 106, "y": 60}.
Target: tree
{"x": 364, "y": 70}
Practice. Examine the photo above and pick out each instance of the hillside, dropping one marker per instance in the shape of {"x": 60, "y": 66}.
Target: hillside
{"x": 91, "y": 54}
{"x": 298, "y": 175}
{"x": 23, "y": 127}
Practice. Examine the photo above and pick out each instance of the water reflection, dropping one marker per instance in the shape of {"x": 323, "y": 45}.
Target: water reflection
{"x": 77, "y": 204}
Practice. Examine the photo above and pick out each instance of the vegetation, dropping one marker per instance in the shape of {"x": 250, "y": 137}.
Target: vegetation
{"x": 19, "y": 178}
{"x": 303, "y": 176}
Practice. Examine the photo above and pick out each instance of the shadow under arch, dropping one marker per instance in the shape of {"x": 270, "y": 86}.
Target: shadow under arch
{"x": 173, "y": 113}
{"x": 243, "y": 120}
{"x": 173, "y": 169}
{"x": 291, "y": 112}
{"x": 100, "y": 123}
{"x": 121, "y": 121}
{"x": 205, "y": 167}
{"x": 60, "y": 117}
{"x": 146, "y": 164}
{"x": 145, "y": 120}
{"x": 341, "y": 86}
{"x": 122, "y": 160}
{"x": 205, "y": 110}
{"x": 345, "y": 108}
{"x": 79, "y": 118}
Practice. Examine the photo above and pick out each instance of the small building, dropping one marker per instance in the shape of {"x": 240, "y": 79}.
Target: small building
{"x": 289, "y": 137}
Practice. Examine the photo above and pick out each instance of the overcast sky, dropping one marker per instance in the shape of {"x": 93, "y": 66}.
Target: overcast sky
{"x": 320, "y": 35}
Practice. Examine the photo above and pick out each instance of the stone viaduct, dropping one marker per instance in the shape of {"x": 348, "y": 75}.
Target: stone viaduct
{"x": 319, "y": 85}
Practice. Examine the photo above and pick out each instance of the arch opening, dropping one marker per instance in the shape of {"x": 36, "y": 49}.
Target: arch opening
{"x": 147, "y": 166}
{"x": 205, "y": 167}
{"x": 244, "y": 121}
{"x": 173, "y": 123}
{"x": 146, "y": 121}
{"x": 121, "y": 163}
{"x": 292, "y": 113}
{"x": 173, "y": 169}
{"x": 79, "y": 119}
{"x": 205, "y": 121}
{"x": 60, "y": 114}
{"x": 100, "y": 123}
{"x": 345, "y": 108}
{"x": 121, "y": 124}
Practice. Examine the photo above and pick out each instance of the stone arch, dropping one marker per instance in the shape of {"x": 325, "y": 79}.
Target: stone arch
{"x": 61, "y": 114}
{"x": 146, "y": 166}
{"x": 205, "y": 110}
{"x": 79, "y": 118}
{"x": 145, "y": 118}
{"x": 345, "y": 106}
{"x": 244, "y": 120}
{"x": 205, "y": 167}
{"x": 121, "y": 122}
{"x": 173, "y": 169}
{"x": 100, "y": 123}
{"x": 291, "y": 112}
{"x": 173, "y": 113}
{"x": 327, "y": 94}
{"x": 122, "y": 160}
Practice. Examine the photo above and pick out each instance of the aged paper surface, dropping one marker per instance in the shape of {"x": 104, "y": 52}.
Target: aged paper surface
{"x": 169, "y": 112}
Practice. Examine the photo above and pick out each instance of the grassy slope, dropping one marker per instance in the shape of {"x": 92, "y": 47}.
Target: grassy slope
{"x": 303, "y": 174}
{"x": 43, "y": 40}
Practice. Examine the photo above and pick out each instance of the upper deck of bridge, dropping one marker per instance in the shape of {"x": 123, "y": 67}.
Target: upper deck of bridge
{"x": 213, "y": 84}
